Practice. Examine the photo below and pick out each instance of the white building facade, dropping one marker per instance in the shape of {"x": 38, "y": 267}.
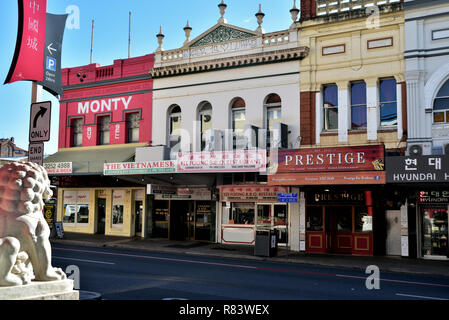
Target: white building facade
{"x": 230, "y": 89}
{"x": 427, "y": 76}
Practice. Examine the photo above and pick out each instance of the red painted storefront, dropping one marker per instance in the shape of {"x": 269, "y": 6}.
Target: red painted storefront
{"x": 117, "y": 91}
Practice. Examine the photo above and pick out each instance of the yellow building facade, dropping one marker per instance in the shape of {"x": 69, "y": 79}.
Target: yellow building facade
{"x": 352, "y": 82}
{"x": 110, "y": 211}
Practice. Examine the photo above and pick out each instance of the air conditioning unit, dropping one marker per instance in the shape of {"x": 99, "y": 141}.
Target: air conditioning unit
{"x": 415, "y": 150}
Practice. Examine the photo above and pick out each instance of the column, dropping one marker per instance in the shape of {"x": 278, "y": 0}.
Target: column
{"x": 343, "y": 111}
{"x": 372, "y": 108}
{"x": 318, "y": 117}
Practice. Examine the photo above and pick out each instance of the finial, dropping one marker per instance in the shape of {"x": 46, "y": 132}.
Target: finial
{"x": 160, "y": 37}
{"x": 260, "y": 15}
{"x": 187, "y": 30}
{"x": 294, "y": 11}
{"x": 222, "y": 6}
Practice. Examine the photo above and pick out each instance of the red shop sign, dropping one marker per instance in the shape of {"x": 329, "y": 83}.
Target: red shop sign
{"x": 360, "y": 158}
{"x": 29, "y": 55}
{"x": 248, "y": 193}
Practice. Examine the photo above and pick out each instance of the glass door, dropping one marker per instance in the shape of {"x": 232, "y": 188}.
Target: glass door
{"x": 435, "y": 231}
{"x": 273, "y": 217}
{"x": 280, "y": 221}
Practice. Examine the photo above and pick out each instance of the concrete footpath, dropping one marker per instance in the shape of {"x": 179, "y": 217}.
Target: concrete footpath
{"x": 386, "y": 264}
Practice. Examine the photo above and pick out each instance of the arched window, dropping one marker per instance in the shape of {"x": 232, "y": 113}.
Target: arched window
{"x": 273, "y": 114}
{"x": 174, "y": 119}
{"x": 238, "y": 118}
{"x": 441, "y": 105}
{"x": 205, "y": 118}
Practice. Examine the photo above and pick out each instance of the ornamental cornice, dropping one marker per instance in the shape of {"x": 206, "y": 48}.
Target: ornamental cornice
{"x": 275, "y": 56}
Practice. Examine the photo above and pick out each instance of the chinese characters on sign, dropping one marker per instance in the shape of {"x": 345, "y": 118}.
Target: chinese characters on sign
{"x": 418, "y": 169}
{"x": 29, "y": 51}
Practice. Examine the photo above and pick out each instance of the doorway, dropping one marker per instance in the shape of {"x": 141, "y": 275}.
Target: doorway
{"x": 138, "y": 210}
{"x": 339, "y": 229}
{"x": 273, "y": 216}
{"x": 182, "y": 220}
{"x": 101, "y": 216}
{"x": 393, "y": 225}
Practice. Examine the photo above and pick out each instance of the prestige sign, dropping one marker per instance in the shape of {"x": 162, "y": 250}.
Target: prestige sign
{"x": 363, "y": 158}
{"x": 418, "y": 169}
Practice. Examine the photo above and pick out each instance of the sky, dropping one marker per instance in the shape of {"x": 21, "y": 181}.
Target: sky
{"x": 111, "y": 42}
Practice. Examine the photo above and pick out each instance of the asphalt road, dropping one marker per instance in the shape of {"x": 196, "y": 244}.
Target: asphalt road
{"x": 137, "y": 275}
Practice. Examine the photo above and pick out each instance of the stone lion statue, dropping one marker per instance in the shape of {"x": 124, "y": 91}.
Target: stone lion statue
{"x": 25, "y": 250}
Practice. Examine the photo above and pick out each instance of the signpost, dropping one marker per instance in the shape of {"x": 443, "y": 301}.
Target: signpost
{"x": 40, "y": 119}
{"x": 36, "y": 153}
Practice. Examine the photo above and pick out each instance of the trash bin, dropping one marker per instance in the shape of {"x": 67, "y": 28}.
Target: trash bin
{"x": 266, "y": 243}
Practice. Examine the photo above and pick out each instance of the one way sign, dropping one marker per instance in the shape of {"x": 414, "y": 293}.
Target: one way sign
{"x": 40, "y": 122}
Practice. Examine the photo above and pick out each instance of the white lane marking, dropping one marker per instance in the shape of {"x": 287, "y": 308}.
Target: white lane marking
{"x": 397, "y": 281}
{"x": 419, "y": 297}
{"x": 82, "y": 260}
{"x": 160, "y": 258}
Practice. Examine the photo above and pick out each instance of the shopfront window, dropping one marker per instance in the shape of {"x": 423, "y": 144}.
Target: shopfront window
{"x": 240, "y": 213}
{"x": 76, "y": 207}
{"x": 435, "y": 231}
{"x": 314, "y": 219}
{"x": 363, "y": 222}
{"x": 344, "y": 219}
{"x": 280, "y": 215}
{"x": 161, "y": 219}
{"x": 264, "y": 215}
{"x": 118, "y": 197}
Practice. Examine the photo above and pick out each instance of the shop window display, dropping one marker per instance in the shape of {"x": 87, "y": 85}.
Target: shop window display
{"x": 435, "y": 231}
{"x": 76, "y": 207}
{"x": 314, "y": 220}
{"x": 241, "y": 213}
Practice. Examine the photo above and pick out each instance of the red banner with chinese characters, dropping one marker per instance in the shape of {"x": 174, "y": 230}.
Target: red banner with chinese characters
{"x": 236, "y": 193}
{"x": 337, "y": 159}
{"x": 28, "y": 58}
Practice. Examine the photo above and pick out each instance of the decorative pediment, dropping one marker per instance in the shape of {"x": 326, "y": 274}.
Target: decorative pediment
{"x": 222, "y": 34}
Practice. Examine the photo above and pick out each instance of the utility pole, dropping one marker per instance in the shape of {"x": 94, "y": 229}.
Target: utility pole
{"x": 129, "y": 37}
{"x": 92, "y": 41}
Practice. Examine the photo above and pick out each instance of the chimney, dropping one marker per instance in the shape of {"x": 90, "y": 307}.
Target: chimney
{"x": 308, "y": 10}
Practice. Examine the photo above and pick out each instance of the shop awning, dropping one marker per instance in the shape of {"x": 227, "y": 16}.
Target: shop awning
{"x": 91, "y": 162}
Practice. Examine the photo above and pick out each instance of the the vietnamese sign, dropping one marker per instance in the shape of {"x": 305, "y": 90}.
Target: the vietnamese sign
{"x": 223, "y": 161}
{"x": 58, "y": 167}
{"x": 29, "y": 52}
{"x": 54, "y": 35}
{"x": 359, "y": 158}
{"x": 417, "y": 169}
{"x": 251, "y": 193}
{"x": 132, "y": 168}
{"x": 40, "y": 119}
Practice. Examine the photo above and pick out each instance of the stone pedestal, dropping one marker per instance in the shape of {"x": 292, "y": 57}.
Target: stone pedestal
{"x": 53, "y": 290}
